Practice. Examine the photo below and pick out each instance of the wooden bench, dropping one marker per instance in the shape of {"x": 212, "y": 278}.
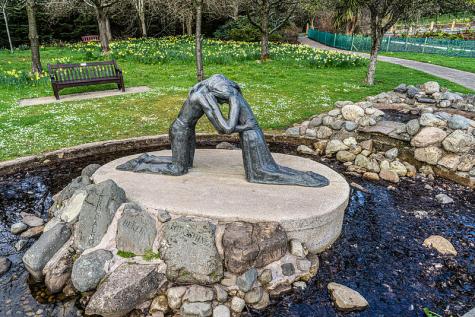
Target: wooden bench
{"x": 90, "y": 38}
{"x": 73, "y": 75}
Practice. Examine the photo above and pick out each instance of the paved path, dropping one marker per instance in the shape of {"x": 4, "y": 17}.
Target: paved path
{"x": 82, "y": 96}
{"x": 462, "y": 78}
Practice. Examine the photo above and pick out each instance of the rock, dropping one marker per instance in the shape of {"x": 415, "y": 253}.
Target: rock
{"x": 303, "y": 149}
{"x": 221, "y": 311}
{"x": 451, "y": 96}
{"x": 444, "y": 199}
{"x": 458, "y": 122}
{"x": 367, "y": 163}
{"x": 90, "y": 170}
{"x": 63, "y": 196}
{"x": 350, "y": 142}
{"x": 280, "y": 290}
{"x": 402, "y": 88}
{"x": 163, "y": 216}
{"x": 304, "y": 265}
{"x": 335, "y": 146}
{"x": 334, "y": 112}
{"x": 136, "y": 230}
{"x": 5, "y": 265}
{"x": 431, "y": 120}
{"x": 371, "y": 176}
{"x": 422, "y": 99}
{"x": 45, "y": 248}
{"x": 196, "y": 310}
{"x": 467, "y": 162}
{"x": 95, "y": 216}
{"x": 89, "y": 270}
{"x": 20, "y": 244}
{"x": 174, "y": 296}
{"x": 430, "y": 87}
{"x": 221, "y": 294}
{"x": 293, "y": 132}
{"x": 367, "y": 145}
{"x": 32, "y": 232}
{"x": 337, "y": 124}
{"x": 126, "y": 287}
{"x": 229, "y": 279}
{"x": 300, "y": 285}
{"x": 352, "y": 112}
{"x": 288, "y": 269}
{"x": 18, "y": 228}
{"x": 459, "y": 142}
{"x": 254, "y": 295}
{"x": 389, "y": 176}
{"x": 345, "y": 156}
{"x": 411, "y": 169}
{"x": 450, "y": 161}
{"x": 237, "y": 304}
{"x": 72, "y": 207}
{"x": 392, "y": 153}
{"x": 196, "y": 293}
{"x": 311, "y": 133}
{"x": 58, "y": 270}
{"x": 429, "y": 154}
{"x": 246, "y": 280}
{"x": 159, "y": 304}
{"x": 264, "y": 302}
{"x": 398, "y": 168}
{"x": 350, "y": 126}
{"x": 252, "y": 245}
{"x": 412, "y": 91}
{"x": 439, "y": 243}
{"x": 297, "y": 248}
{"x": 356, "y": 150}
{"x": 324, "y": 132}
{"x": 188, "y": 248}
{"x": 341, "y": 104}
{"x": 428, "y": 136}
{"x": 265, "y": 277}
{"x": 444, "y": 104}
{"x": 32, "y": 220}
{"x": 226, "y": 146}
{"x": 315, "y": 122}
{"x": 320, "y": 147}
{"x": 345, "y": 298}
{"x": 426, "y": 170}
{"x": 412, "y": 127}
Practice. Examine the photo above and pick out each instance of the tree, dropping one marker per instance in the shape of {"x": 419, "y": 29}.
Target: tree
{"x": 100, "y": 8}
{"x": 140, "y": 7}
{"x": 346, "y": 15}
{"x": 198, "y": 40}
{"x": 268, "y": 16}
{"x": 4, "y": 4}
{"x": 33, "y": 36}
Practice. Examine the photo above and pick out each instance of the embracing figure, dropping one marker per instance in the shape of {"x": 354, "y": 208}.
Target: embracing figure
{"x": 205, "y": 98}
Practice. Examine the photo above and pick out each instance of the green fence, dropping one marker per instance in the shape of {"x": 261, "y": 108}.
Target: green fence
{"x": 396, "y": 44}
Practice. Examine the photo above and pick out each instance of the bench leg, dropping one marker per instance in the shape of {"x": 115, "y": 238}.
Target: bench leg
{"x": 56, "y": 93}
{"x": 121, "y": 85}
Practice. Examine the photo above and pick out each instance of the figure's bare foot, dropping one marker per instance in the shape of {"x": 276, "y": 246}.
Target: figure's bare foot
{"x": 147, "y": 163}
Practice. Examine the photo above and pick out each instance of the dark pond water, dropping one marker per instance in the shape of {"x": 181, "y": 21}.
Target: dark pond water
{"x": 379, "y": 253}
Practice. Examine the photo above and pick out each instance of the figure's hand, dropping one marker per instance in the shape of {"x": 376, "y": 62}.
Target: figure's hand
{"x": 249, "y": 125}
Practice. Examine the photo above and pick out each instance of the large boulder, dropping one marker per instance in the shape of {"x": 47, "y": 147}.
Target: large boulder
{"x": 88, "y": 270}
{"x": 430, "y": 154}
{"x": 124, "y": 289}
{"x": 428, "y": 136}
{"x": 352, "y": 112}
{"x": 431, "y": 120}
{"x": 458, "y": 122}
{"x": 459, "y": 142}
{"x": 102, "y": 201}
{"x": 62, "y": 197}
{"x": 36, "y": 258}
{"x": 136, "y": 230}
{"x": 188, "y": 248}
{"x": 430, "y": 87}
{"x": 57, "y": 271}
{"x": 249, "y": 245}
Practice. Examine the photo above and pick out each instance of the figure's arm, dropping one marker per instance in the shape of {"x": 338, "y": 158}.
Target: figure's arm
{"x": 216, "y": 117}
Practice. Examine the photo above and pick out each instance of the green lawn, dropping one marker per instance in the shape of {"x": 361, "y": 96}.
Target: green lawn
{"x": 461, "y": 63}
{"x": 281, "y": 93}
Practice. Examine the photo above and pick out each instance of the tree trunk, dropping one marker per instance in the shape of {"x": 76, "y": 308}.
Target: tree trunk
{"x": 373, "y": 59}
{"x": 143, "y": 24}
{"x": 265, "y": 30}
{"x": 33, "y": 36}
{"x": 198, "y": 46}
{"x": 7, "y": 28}
{"x": 108, "y": 29}
{"x": 235, "y": 10}
{"x": 189, "y": 24}
{"x": 102, "y": 23}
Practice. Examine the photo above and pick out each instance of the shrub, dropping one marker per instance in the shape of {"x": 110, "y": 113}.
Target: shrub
{"x": 238, "y": 30}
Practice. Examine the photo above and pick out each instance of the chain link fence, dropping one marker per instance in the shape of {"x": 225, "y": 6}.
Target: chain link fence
{"x": 396, "y": 44}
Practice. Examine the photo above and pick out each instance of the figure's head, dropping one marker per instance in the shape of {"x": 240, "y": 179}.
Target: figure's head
{"x": 221, "y": 87}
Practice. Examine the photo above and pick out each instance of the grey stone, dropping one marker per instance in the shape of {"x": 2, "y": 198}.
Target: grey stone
{"x": 443, "y": 115}
{"x": 402, "y": 88}
{"x": 470, "y": 313}
{"x": 425, "y": 100}
{"x": 467, "y": 161}
{"x": 304, "y": 265}
{"x": 18, "y": 228}
{"x": 263, "y": 303}
{"x": 90, "y": 170}
{"x": 265, "y": 277}
{"x": 32, "y": 232}
{"x": 431, "y": 120}
{"x": 458, "y": 122}
{"x": 412, "y": 91}
{"x": 345, "y": 298}
{"x": 88, "y": 270}
{"x": 5, "y": 265}
{"x": 392, "y": 153}
{"x": 445, "y": 103}
{"x": 294, "y": 131}
{"x": 254, "y": 295}
{"x": 369, "y": 164}
{"x": 246, "y": 280}
{"x": 280, "y": 290}
{"x": 188, "y": 248}
{"x": 237, "y": 304}
{"x": 459, "y": 142}
{"x": 430, "y": 87}
{"x": 163, "y": 216}
{"x": 288, "y": 269}
{"x": 429, "y": 154}
{"x": 32, "y": 220}
{"x": 450, "y": 161}
{"x": 226, "y": 146}
{"x": 20, "y": 244}
{"x": 451, "y": 96}
{"x": 311, "y": 133}
{"x": 444, "y": 199}
{"x": 296, "y": 248}
{"x": 300, "y": 285}
{"x": 324, "y": 132}
{"x": 45, "y": 248}
{"x": 352, "y": 112}
{"x": 221, "y": 311}
{"x": 124, "y": 289}
{"x": 102, "y": 201}
{"x": 337, "y": 124}
{"x": 335, "y": 146}
{"x": 196, "y": 310}
{"x": 174, "y": 296}
{"x": 341, "y": 104}
{"x": 249, "y": 245}
{"x": 221, "y": 294}
{"x": 303, "y": 149}
{"x": 60, "y": 198}
{"x": 350, "y": 126}
{"x": 334, "y": 112}
{"x": 136, "y": 230}
{"x": 58, "y": 274}
{"x": 159, "y": 304}
{"x": 328, "y": 121}
{"x": 315, "y": 122}
{"x": 428, "y": 136}
{"x": 196, "y": 293}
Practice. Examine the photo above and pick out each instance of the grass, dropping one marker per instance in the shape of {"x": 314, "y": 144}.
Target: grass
{"x": 150, "y": 255}
{"x": 281, "y": 92}
{"x": 125, "y": 254}
{"x": 461, "y": 63}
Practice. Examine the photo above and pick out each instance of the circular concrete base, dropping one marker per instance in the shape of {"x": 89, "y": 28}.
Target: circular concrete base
{"x": 216, "y": 188}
